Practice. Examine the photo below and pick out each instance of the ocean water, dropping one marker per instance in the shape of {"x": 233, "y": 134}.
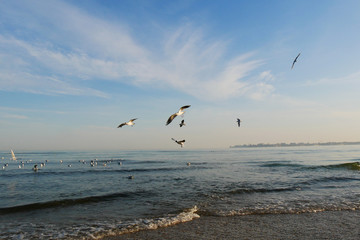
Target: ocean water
{"x": 68, "y": 198}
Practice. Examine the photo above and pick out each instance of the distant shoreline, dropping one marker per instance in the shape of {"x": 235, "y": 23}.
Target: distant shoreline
{"x": 293, "y": 144}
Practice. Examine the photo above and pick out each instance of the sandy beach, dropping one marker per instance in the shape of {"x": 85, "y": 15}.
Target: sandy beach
{"x": 321, "y": 225}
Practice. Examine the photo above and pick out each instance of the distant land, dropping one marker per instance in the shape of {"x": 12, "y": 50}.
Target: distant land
{"x": 293, "y": 144}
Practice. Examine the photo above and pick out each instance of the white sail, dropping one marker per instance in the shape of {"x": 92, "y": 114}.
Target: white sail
{"x": 13, "y": 155}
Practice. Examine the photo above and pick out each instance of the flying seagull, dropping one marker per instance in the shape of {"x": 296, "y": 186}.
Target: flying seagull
{"x": 181, "y": 143}
{"x": 129, "y": 123}
{"x": 295, "y": 61}
{"x": 238, "y": 122}
{"x": 182, "y": 123}
{"x": 179, "y": 113}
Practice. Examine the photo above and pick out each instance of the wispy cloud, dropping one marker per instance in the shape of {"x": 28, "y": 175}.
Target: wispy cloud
{"x": 15, "y": 116}
{"x": 351, "y": 78}
{"x": 80, "y": 48}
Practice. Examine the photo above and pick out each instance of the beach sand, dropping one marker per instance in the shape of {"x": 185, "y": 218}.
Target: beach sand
{"x": 321, "y": 225}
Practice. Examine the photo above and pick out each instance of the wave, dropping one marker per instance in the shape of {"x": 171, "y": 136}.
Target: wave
{"x": 95, "y": 230}
{"x": 97, "y": 170}
{"x": 349, "y": 166}
{"x": 281, "y": 164}
{"x": 342, "y": 166}
{"x": 150, "y": 224}
{"x": 279, "y": 210}
{"x": 329, "y": 179}
{"x": 70, "y": 202}
{"x": 263, "y": 190}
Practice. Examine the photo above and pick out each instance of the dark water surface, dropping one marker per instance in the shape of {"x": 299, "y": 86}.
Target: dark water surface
{"x": 81, "y": 201}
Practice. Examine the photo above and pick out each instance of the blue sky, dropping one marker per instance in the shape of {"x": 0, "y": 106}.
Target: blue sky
{"x": 71, "y": 71}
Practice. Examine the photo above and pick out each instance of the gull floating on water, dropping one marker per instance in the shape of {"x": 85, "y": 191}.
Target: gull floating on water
{"x": 295, "y": 61}
{"x": 238, "y": 122}
{"x": 129, "y": 123}
{"x": 182, "y": 123}
{"x": 35, "y": 168}
{"x": 179, "y": 113}
{"x": 181, "y": 143}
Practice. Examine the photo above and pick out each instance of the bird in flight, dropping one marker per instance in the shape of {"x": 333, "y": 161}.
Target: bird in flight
{"x": 182, "y": 123}
{"x": 238, "y": 122}
{"x": 295, "y": 61}
{"x": 129, "y": 123}
{"x": 181, "y": 143}
{"x": 179, "y": 113}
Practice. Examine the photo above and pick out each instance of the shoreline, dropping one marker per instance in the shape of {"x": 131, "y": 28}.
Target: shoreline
{"x": 320, "y": 225}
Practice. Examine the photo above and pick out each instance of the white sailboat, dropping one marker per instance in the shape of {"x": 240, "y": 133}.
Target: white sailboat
{"x": 12, "y": 155}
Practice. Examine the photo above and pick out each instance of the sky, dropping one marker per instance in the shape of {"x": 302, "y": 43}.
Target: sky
{"x": 72, "y": 71}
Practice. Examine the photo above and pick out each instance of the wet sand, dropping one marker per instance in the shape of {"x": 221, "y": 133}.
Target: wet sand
{"x": 321, "y": 225}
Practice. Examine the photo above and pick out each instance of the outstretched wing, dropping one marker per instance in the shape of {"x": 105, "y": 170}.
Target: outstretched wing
{"x": 123, "y": 124}
{"x": 132, "y": 120}
{"x": 183, "y": 107}
{"x": 173, "y": 139}
{"x": 170, "y": 119}
{"x": 295, "y": 60}
{"x": 182, "y": 141}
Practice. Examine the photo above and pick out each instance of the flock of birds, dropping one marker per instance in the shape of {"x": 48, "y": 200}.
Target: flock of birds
{"x": 181, "y": 113}
{"x": 41, "y": 165}
{"x": 171, "y": 118}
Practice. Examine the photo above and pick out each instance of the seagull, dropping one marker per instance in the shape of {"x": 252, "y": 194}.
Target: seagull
{"x": 35, "y": 168}
{"x": 182, "y": 123}
{"x": 238, "y": 122}
{"x": 129, "y": 123}
{"x": 181, "y": 143}
{"x": 295, "y": 61}
{"x": 179, "y": 113}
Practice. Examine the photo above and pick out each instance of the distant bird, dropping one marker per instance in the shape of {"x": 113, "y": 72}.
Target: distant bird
{"x": 181, "y": 143}
{"x": 179, "y": 113}
{"x": 182, "y": 123}
{"x": 295, "y": 61}
{"x": 131, "y": 177}
{"x": 129, "y": 123}
{"x": 238, "y": 122}
{"x": 35, "y": 168}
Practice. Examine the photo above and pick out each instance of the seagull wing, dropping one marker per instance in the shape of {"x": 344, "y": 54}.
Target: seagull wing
{"x": 182, "y": 141}
{"x": 295, "y": 60}
{"x": 123, "y": 124}
{"x": 183, "y": 107}
{"x": 132, "y": 120}
{"x": 173, "y": 139}
{"x": 170, "y": 119}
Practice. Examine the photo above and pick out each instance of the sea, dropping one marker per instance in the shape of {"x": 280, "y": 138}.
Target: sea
{"x": 93, "y": 194}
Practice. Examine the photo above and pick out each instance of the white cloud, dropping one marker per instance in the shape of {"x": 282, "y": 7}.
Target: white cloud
{"x": 15, "y": 116}
{"x": 47, "y": 85}
{"x": 82, "y": 47}
{"x": 351, "y": 78}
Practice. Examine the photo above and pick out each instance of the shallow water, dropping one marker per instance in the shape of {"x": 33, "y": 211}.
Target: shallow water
{"x": 84, "y": 201}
